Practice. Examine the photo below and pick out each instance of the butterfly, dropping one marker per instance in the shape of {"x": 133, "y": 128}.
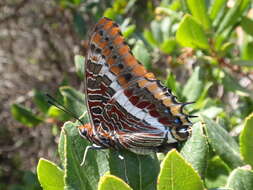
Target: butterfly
{"x": 127, "y": 106}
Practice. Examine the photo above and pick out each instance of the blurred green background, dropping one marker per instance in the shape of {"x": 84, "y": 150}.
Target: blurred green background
{"x": 205, "y": 57}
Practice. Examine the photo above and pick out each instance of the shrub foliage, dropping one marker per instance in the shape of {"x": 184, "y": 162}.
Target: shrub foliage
{"x": 208, "y": 46}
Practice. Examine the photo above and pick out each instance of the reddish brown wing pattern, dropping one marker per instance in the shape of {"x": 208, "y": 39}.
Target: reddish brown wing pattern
{"x": 128, "y": 107}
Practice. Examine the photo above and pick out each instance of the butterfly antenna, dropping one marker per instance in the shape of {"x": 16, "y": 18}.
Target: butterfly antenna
{"x": 51, "y": 100}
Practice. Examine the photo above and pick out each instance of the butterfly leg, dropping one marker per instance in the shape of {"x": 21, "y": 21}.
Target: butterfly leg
{"x": 92, "y": 147}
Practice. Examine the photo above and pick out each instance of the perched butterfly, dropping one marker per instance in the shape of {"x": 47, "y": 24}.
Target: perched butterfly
{"x": 127, "y": 106}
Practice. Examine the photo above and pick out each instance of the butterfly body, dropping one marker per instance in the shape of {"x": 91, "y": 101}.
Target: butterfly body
{"x": 127, "y": 106}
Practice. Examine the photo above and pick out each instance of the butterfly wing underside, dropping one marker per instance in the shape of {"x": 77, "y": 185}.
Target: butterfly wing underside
{"x": 128, "y": 107}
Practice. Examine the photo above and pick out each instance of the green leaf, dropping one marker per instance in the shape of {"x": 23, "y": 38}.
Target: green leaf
{"x": 195, "y": 150}
{"x": 240, "y": 179}
{"x": 233, "y": 15}
{"x": 61, "y": 145}
{"x": 24, "y": 116}
{"x": 113, "y": 183}
{"x": 223, "y": 144}
{"x": 73, "y": 100}
{"x": 199, "y": 11}
{"x": 226, "y": 48}
{"x": 247, "y": 54}
{"x": 141, "y": 53}
{"x": 57, "y": 113}
{"x": 211, "y": 111}
{"x": 216, "y": 7}
{"x": 50, "y": 175}
{"x": 191, "y": 34}
{"x": 76, "y": 176}
{"x": 40, "y": 100}
{"x": 110, "y": 13}
{"x": 147, "y": 34}
{"x": 194, "y": 86}
{"x": 129, "y": 31}
{"x": 217, "y": 173}
{"x": 246, "y": 143}
{"x": 168, "y": 46}
{"x": 135, "y": 169}
{"x": 247, "y": 25}
{"x": 79, "y": 64}
{"x": 176, "y": 173}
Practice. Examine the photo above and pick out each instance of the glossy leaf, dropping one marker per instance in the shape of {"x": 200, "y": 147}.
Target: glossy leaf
{"x": 199, "y": 11}
{"x": 24, "y": 116}
{"x": 191, "y": 34}
{"x": 135, "y": 169}
{"x": 246, "y": 143}
{"x": 241, "y": 179}
{"x": 177, "y": 173}
{"x": 50, "y": 175}
{"x": 195, "y": 150}
{"x": 113, "y": 183}
{"x": 79, "y": 65}
{"x": 223, "y": 144}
